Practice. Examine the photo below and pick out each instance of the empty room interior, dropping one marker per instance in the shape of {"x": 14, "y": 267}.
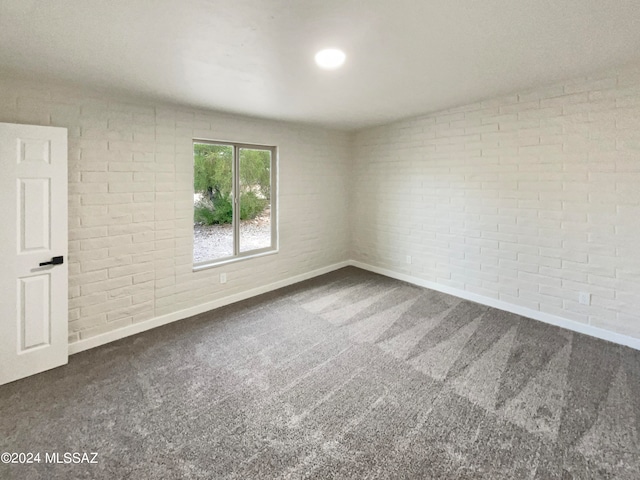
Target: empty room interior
{"x": 324, "y": 239}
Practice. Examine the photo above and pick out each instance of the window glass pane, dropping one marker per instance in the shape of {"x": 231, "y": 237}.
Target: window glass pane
{"x": 255, "y": 199}
{"x": 212, "y": 201}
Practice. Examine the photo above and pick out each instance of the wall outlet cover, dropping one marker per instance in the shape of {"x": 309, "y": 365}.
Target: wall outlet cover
{"x": 584, "y": 298}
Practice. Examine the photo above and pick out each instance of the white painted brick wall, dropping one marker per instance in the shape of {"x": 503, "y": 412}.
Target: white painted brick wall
{"x": 529, "y": 199}
{"x": 131, "y": 201}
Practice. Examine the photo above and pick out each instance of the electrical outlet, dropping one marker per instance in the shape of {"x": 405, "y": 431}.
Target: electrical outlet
{"x": 584, "y": 298}
{"x": 223, "y": 278}
{"x": 409, "y": 259}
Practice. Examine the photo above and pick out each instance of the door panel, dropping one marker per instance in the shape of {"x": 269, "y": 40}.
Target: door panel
{"x": 34, "y": 214}
{"x": 35, "y": 320}
{"x": 34, "y": 150}
{"x": 33, "y": 298}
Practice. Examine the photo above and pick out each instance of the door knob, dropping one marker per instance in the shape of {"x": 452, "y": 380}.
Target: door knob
{"x": 54, "y": 261}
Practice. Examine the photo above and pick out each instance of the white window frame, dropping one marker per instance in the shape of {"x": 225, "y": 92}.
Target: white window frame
{"x": 237, "y": 254}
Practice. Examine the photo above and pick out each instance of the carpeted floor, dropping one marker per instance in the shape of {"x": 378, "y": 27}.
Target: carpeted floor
{"x": 349, "y": 375}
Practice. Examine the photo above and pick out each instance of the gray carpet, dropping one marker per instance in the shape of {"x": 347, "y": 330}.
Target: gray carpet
{"x": 348, "y": 375}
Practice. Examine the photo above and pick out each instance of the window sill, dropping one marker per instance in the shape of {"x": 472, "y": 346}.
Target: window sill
{"x": 229, "y": 260}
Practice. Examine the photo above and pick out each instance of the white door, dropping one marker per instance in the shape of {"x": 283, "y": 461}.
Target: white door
{"x": 33, "y": 230}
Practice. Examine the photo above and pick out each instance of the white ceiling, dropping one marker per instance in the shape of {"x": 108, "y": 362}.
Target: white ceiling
{"x": 404, "y": 57}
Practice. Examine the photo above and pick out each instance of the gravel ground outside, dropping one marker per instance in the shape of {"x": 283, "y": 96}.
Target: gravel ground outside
{"x": 216, "y": 241}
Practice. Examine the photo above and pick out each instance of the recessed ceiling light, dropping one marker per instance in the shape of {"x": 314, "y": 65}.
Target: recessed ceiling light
{"x": 330, "y": 58}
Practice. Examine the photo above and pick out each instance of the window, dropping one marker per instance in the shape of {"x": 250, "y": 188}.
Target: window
{"x": 234, "y": 201}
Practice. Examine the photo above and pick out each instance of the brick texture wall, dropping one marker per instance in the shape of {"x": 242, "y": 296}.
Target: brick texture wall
{"x": 530, "y": 199}
{"x": 131, "y": 201}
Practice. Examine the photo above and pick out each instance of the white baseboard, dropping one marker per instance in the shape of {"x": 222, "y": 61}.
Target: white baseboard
{"x": 509, "y": 307}
{"x": 91, "y": 342}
